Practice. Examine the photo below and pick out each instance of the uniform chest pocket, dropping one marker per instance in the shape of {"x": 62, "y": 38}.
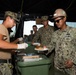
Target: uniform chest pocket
{"x": 68, "y": 37}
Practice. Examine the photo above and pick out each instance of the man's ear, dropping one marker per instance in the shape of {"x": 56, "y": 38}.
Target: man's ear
{"x": 65, "y": 18}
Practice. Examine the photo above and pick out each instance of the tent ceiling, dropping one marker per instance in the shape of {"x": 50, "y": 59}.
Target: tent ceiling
{"x": 39, "y": 7}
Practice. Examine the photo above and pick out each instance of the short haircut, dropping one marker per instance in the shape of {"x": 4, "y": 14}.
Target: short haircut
{"x": 34, "y": 26}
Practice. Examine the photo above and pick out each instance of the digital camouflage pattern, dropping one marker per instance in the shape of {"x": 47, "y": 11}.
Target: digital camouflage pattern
{"x": 5, "y": 69}
{"x": 44, "y": 35}
{"x": 64, "y": 43}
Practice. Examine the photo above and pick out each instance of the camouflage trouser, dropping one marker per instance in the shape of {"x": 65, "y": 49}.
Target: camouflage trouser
{"x": 5, "y": 69}
{"x": 68, "y": 71}
{"x": 71, "y": 71}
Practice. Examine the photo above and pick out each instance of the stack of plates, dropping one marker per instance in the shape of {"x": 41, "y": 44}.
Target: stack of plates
{"x": 31, "y": 58}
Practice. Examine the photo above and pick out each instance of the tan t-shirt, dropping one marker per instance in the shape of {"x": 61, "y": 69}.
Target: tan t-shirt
{"x": 4, "y": 31}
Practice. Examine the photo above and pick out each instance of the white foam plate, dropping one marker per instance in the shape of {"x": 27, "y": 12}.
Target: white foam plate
{"x": 41, "y": 49}
{"x": 35, "y": 44}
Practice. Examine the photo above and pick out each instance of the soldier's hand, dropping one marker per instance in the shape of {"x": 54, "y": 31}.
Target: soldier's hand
{"x": 68, "y": 64}
{"x": 22, "y": 46}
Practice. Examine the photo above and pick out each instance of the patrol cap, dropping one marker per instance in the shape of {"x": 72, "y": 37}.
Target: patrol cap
{"x": 13, "y": 15}
{"x": 44, "y": 18}
{"x": 58, "y": 13}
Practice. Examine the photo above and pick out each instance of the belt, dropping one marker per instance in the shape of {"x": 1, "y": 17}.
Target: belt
{"x": 5, "y": 60}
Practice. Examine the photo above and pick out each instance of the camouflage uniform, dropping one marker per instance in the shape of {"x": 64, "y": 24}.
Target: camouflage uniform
{"x": 5, "y": 69}
{"x": 64, "y": 43}
{"x": 44, "y": 35}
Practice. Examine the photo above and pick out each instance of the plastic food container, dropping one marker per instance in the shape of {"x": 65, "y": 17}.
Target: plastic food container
{"x": 40, "y": 67}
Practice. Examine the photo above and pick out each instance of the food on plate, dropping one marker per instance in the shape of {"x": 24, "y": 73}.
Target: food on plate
{"x": 39, "y": 46}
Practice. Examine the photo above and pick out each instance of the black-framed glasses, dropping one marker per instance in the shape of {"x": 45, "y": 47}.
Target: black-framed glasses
{"x": 61, "y": 17}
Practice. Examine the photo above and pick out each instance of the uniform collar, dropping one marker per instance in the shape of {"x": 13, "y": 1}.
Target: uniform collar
{"x": 65, "y": 29}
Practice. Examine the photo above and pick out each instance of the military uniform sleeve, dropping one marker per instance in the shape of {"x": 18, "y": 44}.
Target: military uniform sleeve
{"x": 36, "y": 37}
{"x": 51, "y": 45}
{"x": 73, "y": 57}
{"x": 74, "y": 61}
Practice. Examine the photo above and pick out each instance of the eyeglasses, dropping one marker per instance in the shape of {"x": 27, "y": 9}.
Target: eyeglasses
{"x": 59, "y": 19}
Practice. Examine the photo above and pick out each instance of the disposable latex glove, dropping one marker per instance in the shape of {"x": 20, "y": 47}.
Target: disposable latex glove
{"x": 20, "y": 39}
{"x": 22, "y": 46}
